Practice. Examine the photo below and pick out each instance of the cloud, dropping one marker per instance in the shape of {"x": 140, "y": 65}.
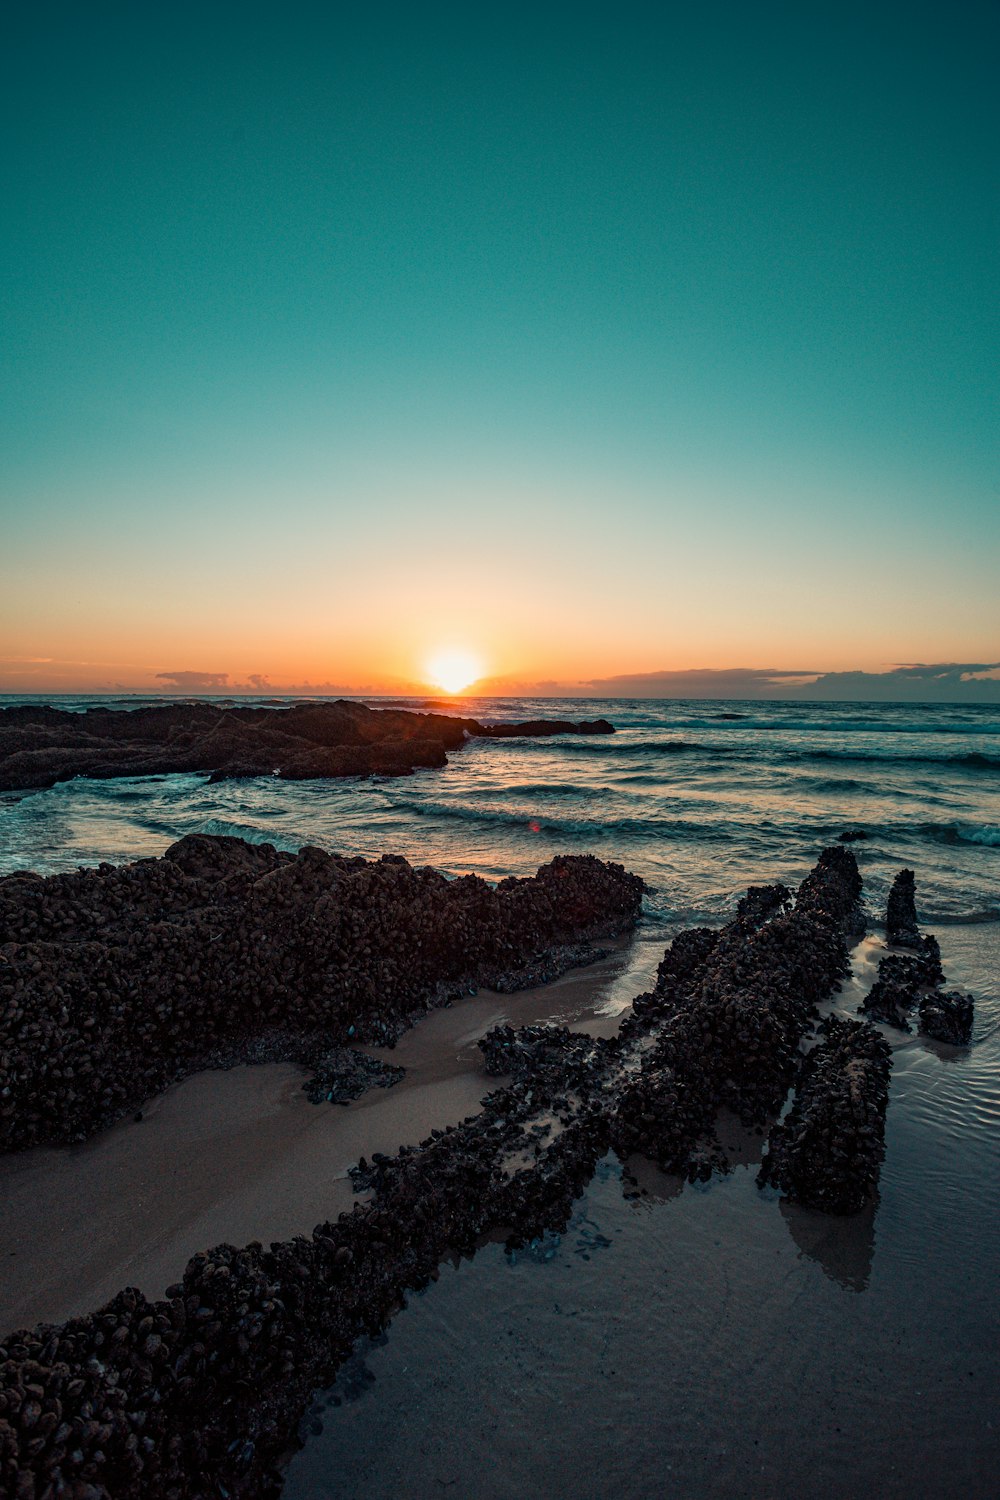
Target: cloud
{"x": 913, "y": 682}
{"x": 257, "y": 684}
{"x": 704, "y": 682}
{"x": 195, "y": 682}
{"x": 907, "y": 682}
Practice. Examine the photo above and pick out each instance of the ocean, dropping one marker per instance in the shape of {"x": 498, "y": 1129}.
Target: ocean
{"x": 700, "y": 798}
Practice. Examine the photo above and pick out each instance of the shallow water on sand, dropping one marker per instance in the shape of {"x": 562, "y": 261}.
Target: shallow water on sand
{"x": 713, "y": 1341}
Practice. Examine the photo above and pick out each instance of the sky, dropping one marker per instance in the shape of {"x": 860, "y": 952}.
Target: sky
{"x": 600, "y": 344}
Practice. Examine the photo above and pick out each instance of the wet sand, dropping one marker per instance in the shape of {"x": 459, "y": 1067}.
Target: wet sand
{"x": 242, "y": 1155}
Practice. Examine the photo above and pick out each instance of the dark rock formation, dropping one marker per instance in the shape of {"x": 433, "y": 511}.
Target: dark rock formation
{"x": 734, "y": 1011}
{"x": 901, "y": 930}
{"x": 341, "y": 1074}
{"x": 539, "y": 728}
{"x": 901, "y": 982}
{"x": 828, "y": 1151}
{"x": 117, "y": 981}
{"x": 947, "y": 1016}
{"x": 906, "y": 981}
{"x": 40, "y": 746}
{"x": 852, "y": 835}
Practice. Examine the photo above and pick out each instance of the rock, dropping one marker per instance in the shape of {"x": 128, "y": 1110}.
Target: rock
{"x": 913, "y": 979}
{"x": 220, "y": 952}
{"x": 828, "y": 1150}
{"x": 40, "y": 746}
{"x": 901, "y": 930}
{"x": 541, "y": 727}
{"x": 202, "y": 1392}
{"x": 947, "y": 1016}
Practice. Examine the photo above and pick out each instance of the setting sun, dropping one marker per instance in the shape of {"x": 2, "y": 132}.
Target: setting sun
{"x": 453, "y": 670}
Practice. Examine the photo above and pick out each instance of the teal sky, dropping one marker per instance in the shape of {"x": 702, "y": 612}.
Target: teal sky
{"x": 600, "y": 339}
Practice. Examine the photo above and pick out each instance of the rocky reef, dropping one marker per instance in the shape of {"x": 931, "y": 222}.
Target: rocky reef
{"x": 117, "y": 981}
{"x": 199, "y": 1394}
{"x": 912, "y": 980}
{"x": 40, "y": 746}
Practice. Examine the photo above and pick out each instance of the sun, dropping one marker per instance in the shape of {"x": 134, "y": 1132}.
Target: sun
{"x": 453, "y": 669}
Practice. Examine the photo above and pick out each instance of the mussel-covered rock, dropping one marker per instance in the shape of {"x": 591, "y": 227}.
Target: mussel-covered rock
{"x": 901, "y": 928}
{"x": 827, "y": 1152}
{"x": 947, "y": 1016}
{"x": 117, "y": 981}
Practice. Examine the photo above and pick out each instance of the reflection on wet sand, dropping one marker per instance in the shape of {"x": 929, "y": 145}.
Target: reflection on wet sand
{"x": 843, "y": 1247}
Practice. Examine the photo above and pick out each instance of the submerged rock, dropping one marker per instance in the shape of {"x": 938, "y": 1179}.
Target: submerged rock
{"x": 947, "y": 1016}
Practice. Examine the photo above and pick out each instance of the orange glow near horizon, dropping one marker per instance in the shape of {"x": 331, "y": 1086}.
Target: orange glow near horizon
{"x": 453, "y": 669}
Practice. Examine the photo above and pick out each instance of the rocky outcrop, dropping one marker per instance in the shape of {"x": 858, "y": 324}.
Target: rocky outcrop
{"x": 540, "y": 728}
{"x": 947, "y": 1016}
{"x": 734, "y": 1012}
{"x": 117, "y": 981}
{"x": 901, "y": 930}
{"x": 908, "y": 981}
{"x": 40, "y": 746}
{"x": 902, "y": 980}
{"x": 828, "y": 1151}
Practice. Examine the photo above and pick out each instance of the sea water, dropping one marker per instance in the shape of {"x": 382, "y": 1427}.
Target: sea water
{"x": 700, "y": 798}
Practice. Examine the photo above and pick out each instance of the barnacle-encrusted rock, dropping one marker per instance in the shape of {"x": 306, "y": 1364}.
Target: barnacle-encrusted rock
{"x": 901, "y": 928}
{"x": 947, "y": 1016}
{"x": 908, "y": 980}
{"x": 828, "y": 1151}
{"x": 198, "y": 1393}
{"x": 117, "y": 981}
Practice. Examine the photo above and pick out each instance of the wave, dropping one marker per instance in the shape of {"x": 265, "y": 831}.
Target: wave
{"x": 973, "y": 760}
{"x": 983, "y": 834}
{"x": 989, "y": 835}
{"x": 819, "y": 724}
{"x": 252, "y": 833}
{"x": 614, "y": 747}
{"x": 980, "y": 916}
{"x": 968, "y": 760}
{"x": 536, "y": 823}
